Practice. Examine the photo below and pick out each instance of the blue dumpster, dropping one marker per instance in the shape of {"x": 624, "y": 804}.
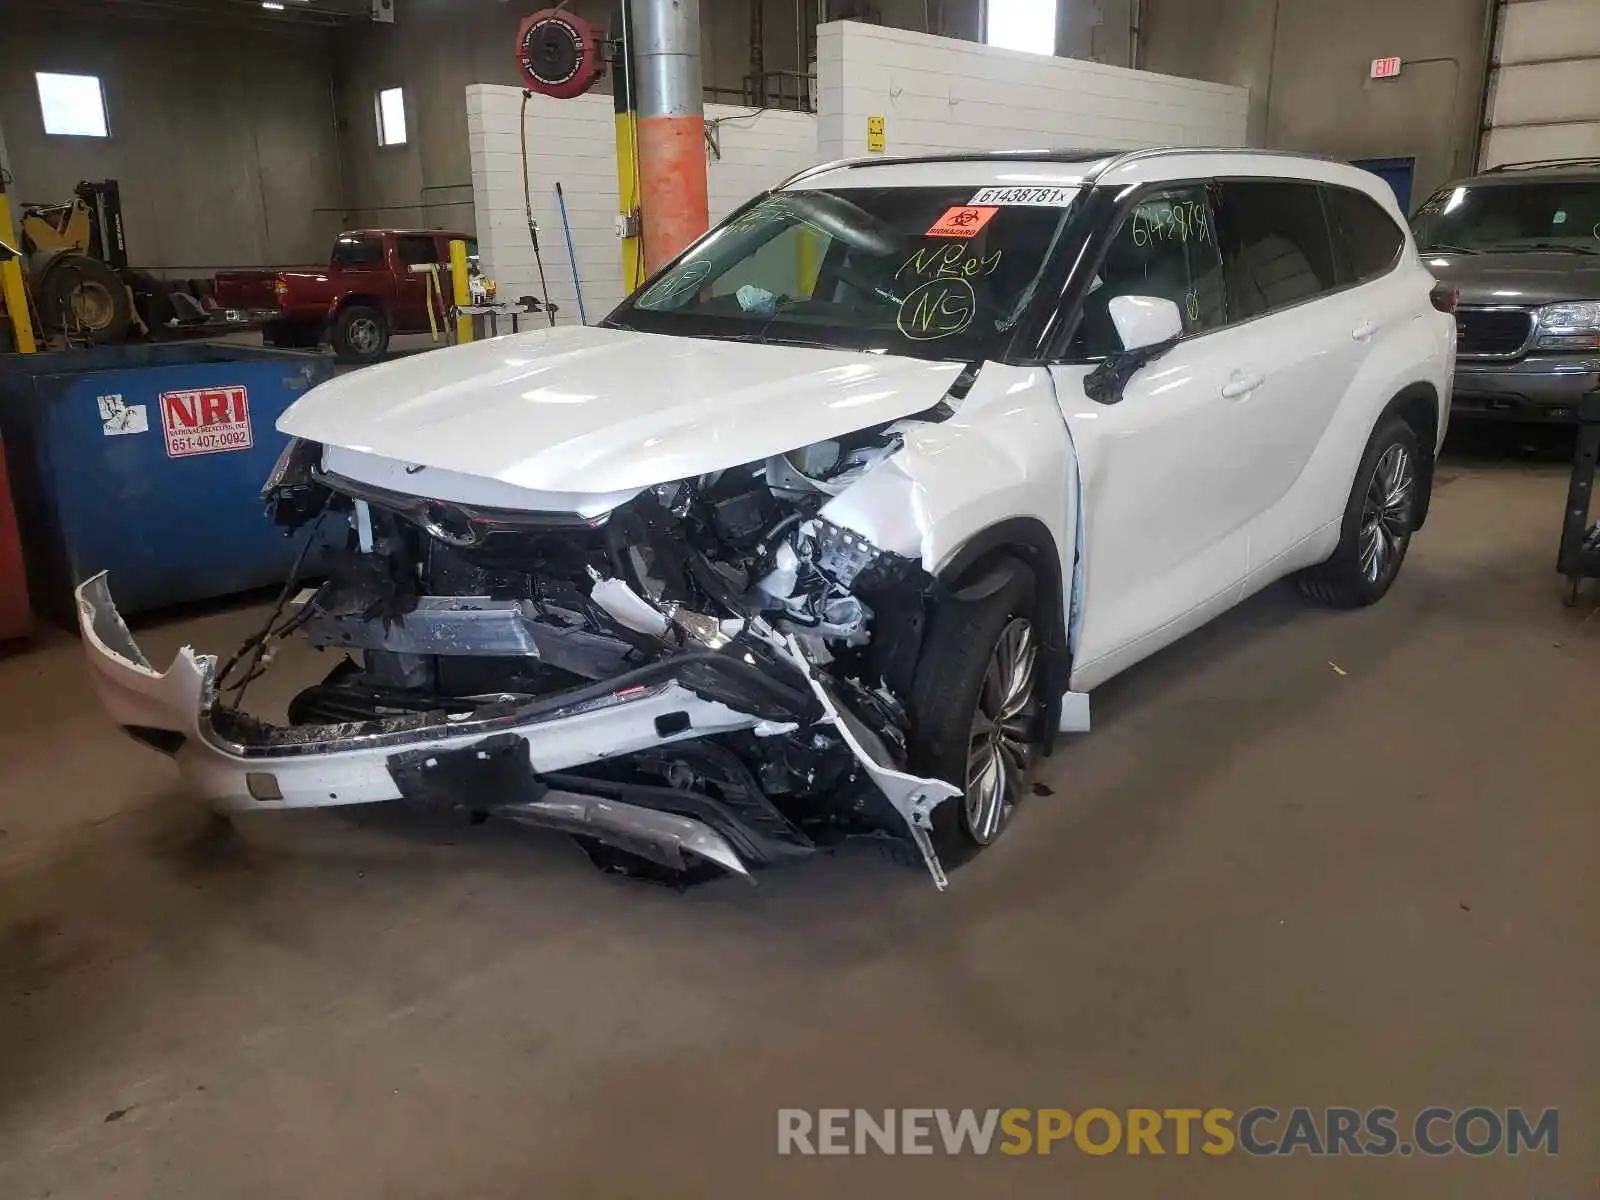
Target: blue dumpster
{"x": 148, "y": 461}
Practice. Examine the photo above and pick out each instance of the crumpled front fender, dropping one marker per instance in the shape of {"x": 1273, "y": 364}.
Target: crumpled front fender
{"x": 912, "y": 796}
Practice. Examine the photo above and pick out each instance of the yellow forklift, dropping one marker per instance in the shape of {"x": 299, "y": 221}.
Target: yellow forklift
{"x": 69, "y": 280}
{"x": 78, "y": 286}
{"x": 77, "y": 262}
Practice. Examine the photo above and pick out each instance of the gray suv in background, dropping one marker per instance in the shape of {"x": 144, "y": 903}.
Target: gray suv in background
{"x": 1521, "y": 245}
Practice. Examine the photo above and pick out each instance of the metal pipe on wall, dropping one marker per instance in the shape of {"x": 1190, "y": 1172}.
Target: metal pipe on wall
{"x": 672, "y": 130}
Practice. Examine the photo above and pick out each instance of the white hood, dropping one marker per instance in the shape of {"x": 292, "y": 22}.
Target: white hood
{"x": 579, "y": 409}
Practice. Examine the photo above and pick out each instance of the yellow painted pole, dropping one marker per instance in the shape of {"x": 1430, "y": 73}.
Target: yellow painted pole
{"x": 628, "y": 199}
{"x": 12, "y": 288}
{"x": 629, "y": 224}
{"x": 460, "y": 289}
{"x": 806, "y": 262}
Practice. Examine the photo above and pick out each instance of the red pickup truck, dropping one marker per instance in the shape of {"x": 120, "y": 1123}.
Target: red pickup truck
{"x": 366, "y": 293}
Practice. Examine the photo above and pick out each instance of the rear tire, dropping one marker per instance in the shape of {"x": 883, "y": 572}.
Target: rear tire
{"x": 972, "y": 723}
{"x": 360, "y": 334}
{"x": 1379, "y": 518}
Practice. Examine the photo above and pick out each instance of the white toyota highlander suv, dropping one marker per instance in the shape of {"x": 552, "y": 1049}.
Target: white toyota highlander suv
{"x": 828, "y": 529}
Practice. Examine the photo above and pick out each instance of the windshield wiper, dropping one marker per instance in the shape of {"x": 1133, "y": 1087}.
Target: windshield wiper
{"x": 762, "y": 339}
{"x": 1447, "y": 248}
{"x": 1559, "y": 247}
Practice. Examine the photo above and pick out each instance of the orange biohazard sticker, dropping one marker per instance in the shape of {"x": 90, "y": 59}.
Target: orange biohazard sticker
{"x": 963, "y": 221}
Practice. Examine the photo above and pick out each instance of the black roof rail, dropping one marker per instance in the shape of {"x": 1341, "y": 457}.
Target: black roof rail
{"x": 1534, "y": 164}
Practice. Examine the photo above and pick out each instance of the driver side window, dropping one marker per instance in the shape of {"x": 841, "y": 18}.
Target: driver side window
{"x": 1165, "y": 247}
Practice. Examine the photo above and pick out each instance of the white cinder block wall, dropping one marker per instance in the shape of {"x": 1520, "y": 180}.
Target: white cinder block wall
{"x": 941, "y": 94}
{"x": 574, "y": 142}
{"x": 934, "y": 93}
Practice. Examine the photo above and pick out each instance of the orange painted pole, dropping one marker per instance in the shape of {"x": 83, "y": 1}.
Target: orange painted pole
{"x": 671, "y": 123}
{"x": 672, "y": 160}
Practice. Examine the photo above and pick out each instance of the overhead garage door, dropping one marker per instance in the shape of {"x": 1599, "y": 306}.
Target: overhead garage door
{"x": 1544, "y": 85}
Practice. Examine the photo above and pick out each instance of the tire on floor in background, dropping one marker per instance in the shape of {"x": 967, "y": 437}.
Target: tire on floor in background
{"x": 85, "y": 296}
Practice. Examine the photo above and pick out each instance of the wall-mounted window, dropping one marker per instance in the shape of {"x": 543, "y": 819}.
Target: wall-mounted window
{"x": 391, "y": 109}
{"x": 1021, "y": 25}
{"x": 73, "y": 105}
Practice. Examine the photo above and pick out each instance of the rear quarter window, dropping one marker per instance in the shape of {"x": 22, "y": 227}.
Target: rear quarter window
{"x": 416, "y": 248}
{"x": 1368, "y": 239}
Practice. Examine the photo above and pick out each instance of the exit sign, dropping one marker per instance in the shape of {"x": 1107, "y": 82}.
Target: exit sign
{"x": 1385, "y": 68}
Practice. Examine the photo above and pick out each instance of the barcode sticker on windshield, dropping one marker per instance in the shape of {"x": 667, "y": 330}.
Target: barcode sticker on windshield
{"x": 963, "y": 221}
{"x": 1041, "y": 197}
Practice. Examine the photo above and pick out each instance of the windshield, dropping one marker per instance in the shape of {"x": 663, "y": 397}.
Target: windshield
{"x": 931, "y": 272}
{"x": 1558, "y": 215}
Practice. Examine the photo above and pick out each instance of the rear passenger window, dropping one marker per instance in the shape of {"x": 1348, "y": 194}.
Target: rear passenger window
{"x": 354, "y": 250}
{"x": 1369, "y": 240}
{"x": 414, "y": 249}
{"x": 1276, "y": 249}
{"x": 1165, "y": 247}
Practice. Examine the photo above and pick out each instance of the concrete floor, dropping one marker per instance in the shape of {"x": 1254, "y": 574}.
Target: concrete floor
{"x": 1262, "y": 880}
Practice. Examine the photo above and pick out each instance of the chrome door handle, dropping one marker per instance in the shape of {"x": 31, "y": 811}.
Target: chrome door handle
{"x": 1364, "y": 331}
{"x": 1241, "y": 385}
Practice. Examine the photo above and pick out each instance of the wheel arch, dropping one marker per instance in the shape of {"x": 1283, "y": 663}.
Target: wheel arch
{"x": 1417, "y": 404}
{"x": 986, "y": 559}
{"x": 366, "y": 299}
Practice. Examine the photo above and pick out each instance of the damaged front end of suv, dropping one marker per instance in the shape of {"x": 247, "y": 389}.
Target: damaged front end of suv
{"x": 781, "y": 552}
{"x": 706, "y": 677}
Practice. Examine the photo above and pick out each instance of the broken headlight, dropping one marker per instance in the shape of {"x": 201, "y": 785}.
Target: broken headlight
{"x": 291, "y": 493}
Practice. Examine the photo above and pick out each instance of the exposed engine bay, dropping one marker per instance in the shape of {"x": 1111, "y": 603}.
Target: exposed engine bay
{"x": 734, "y": 586}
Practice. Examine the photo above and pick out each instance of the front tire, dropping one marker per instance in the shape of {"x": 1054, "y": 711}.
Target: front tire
{"x": 360, "y": 335}
{"x": 974, "y": 708}
{"x": 1379, "y": 518}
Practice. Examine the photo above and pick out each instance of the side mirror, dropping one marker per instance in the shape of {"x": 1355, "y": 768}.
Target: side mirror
{"x": 1145, "y": 320}
{"x": 1149, "y": 326}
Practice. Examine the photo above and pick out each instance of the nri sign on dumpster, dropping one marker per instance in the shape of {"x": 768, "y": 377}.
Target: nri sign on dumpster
{"x": 206, "y": 420}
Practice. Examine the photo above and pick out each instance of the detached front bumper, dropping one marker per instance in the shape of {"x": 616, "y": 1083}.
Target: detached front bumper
{"x": 240, "y": 765}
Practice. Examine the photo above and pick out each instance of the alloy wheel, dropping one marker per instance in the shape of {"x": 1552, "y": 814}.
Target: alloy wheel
{"x": 1001, "y": 747}
{"x": 1386, "y": 514}
{"x": 363, "y": 334}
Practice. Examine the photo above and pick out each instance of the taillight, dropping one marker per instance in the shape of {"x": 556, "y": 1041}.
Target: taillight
{"x": 1444, "y": 297}
{"x": 280, "y": 289}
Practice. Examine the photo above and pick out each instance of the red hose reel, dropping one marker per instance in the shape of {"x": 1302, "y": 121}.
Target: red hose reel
{"x": 558, "y": 54}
